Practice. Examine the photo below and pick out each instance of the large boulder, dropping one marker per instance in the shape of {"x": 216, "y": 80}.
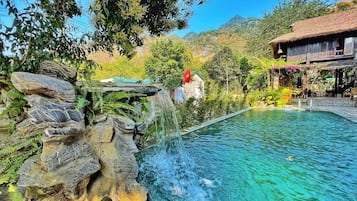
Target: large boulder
{"x": 112, "y": 141}
{"x": 68, "y": 165}
{"x": 74, "y": 176}
{"x": 57, "y": 156}
{"x": 30, "y": 83}
{"x": 117, "y": 164}
{"x": 58, "y": 70}
{"x": 51, "y": 110}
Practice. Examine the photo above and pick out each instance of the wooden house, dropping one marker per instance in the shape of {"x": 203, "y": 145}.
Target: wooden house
{"x": 325, "y": 45}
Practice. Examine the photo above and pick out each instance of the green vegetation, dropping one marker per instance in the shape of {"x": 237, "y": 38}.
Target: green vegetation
{"x": 194, "y": 112}
{"x": 93, "y": 102}
{"x": 120, "y": 103}
{"x": 224, "y": 68}
{"x": 276, "y": 97}
{"x": 15, "y": 103}
{"x": 345, "y": 5}
{"x": 167, "y": 63}
{"x": 14, "y": 193}
{"x": 121, "y": 67}
{"x": 13, "y": 156}
{"x": 37, "y": 33}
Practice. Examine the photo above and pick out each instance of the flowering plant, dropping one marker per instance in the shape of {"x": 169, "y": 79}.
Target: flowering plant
{"x": 287, "y": 67}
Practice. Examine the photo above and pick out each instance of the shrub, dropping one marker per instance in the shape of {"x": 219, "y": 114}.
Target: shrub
{"x": 194, "y": 112}
{"x": 276, "y": 97}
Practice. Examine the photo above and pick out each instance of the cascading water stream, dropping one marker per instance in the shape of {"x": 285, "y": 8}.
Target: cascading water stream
{"x": 168, "y": 172}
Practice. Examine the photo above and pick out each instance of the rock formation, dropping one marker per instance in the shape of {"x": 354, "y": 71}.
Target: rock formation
{"x": 78, "y": 161}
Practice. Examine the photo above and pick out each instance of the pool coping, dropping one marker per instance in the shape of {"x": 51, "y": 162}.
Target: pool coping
{"x": 213, "y": 121}
{"x": 349, "y": 113}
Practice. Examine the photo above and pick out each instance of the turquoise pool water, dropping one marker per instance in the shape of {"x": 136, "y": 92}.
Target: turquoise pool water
{"x": 262, "y": 155}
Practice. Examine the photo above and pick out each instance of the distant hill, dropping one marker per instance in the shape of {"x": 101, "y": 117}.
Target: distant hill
{"x": 202, "y": 45}
{"x": 190, "y": 36}
{"x": 240, "y": 23}
{"x": 208, "y": 43}
{"x": 231, "y": 34}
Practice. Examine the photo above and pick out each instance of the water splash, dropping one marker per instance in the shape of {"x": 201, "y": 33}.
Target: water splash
{"x": 168, "y": 171}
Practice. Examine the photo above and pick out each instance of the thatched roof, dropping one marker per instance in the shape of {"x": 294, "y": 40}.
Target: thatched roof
{"x": 343, "y": 21}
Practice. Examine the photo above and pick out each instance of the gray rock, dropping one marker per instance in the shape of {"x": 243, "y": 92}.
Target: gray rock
{"x": 65, "y": 133}
{"x": 34, "y": 100}
{"x": 74, "y": 176}
{"x": 77, "y": 171}
{"x": 26, "y": 128}
{"x": 51, "y": 110}
{"x": 32, "y": 174}
{"x": 58, "y": 70}
{"x": 56, "y": 156}
{"x": 101, "y": 133}
{"x": 116, "y": 155}
{"x": 124, "y": 124}
{"x": 100, "y": 118}
{"x": 117, "y": 164}
{"x": 30, "y": 83}
{"x": 125, "y": 142}
{"x": 141, "y": 128}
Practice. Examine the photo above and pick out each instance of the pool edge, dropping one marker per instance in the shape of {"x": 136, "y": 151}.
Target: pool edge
{"x": 213, "y": 121}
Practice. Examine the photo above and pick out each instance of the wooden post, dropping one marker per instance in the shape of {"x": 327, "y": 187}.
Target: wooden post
{"x": 336, "y": 81}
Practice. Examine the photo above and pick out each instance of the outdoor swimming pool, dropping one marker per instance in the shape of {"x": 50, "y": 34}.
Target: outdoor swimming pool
{"x": 261, "y": 155}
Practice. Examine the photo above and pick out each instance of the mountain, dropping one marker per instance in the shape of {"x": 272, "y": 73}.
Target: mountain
{"x": 206, "y": 44}
{"x": 190, "y": 36}
{"x": 231, "y": 34}
{"x": 240, "y": 24}
{"x": 203, "y": 46}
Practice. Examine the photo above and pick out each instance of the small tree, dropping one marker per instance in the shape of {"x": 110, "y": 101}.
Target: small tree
{"x": 224, "y": 67}
{"x": 245, "y": 68}
{"x": 167, "y": 62}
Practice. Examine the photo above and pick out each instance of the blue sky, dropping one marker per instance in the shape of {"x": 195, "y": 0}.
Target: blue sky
{"x": 214, "y": 13}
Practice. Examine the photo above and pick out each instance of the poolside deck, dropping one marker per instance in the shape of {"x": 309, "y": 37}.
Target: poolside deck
{"x": 341, "y": 106}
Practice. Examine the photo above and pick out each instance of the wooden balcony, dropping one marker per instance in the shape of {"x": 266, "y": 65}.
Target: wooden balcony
{"x": 319, "y": 56}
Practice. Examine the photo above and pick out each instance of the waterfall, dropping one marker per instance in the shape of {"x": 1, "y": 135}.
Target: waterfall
{"x": 167, "y": 170}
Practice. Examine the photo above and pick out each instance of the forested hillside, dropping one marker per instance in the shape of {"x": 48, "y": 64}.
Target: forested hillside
{"x": 246, "y": 37}
{"x": 203, "y": 46}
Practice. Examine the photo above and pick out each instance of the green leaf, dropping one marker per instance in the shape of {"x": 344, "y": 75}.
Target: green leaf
{"x": 14, "y": 193}
{"x": 81, "y": 103}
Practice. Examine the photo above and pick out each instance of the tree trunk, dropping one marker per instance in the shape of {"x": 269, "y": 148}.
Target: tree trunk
{"x": 227, "y": 82}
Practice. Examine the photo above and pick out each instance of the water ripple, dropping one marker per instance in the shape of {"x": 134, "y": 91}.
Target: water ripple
{"x": 277, "y": 155}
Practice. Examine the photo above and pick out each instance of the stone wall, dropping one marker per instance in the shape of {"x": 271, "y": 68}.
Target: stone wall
{"x": 78, "y": 162}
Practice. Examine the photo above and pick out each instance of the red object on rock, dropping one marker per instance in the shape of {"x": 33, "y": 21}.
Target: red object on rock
{"x": 187, "y": 76}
